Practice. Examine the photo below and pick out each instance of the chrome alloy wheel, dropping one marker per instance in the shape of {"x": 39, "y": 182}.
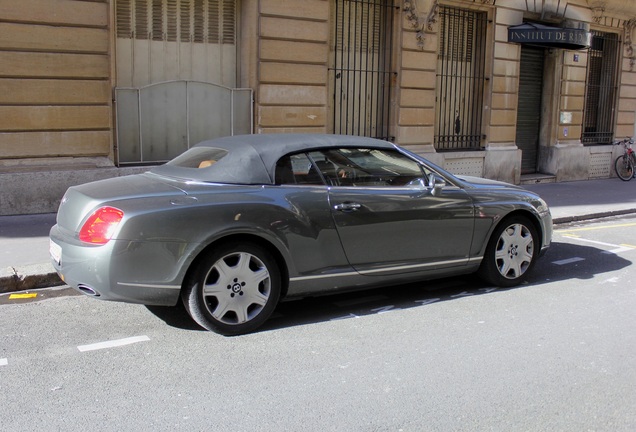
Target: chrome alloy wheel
{"x": 233, "y": 288}
{"x": 515, "y": 251}
{"x": 237, "y": 288}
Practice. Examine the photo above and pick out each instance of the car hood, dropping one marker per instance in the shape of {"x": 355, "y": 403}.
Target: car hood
{"x": 487, "y": 190}
{"x": 482, "y": 183}
{"x": 81, "y": 201}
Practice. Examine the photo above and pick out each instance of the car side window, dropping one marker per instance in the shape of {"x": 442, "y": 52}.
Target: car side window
{"x": 367, "y": 167}
{"x": 297, "y": 169}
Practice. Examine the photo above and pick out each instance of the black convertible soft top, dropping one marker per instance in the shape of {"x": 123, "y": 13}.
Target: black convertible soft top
{"x": 251, "y": 159}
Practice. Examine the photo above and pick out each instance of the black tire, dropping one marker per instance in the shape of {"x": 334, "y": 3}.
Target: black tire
{"x": 511, "y": 252}
{"x": 233, "y": 289}
{"x": 624, "y": 167}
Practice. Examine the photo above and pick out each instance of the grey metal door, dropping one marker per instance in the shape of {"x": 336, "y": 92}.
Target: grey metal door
{"x": 160, "y": 121}
{"x": 529, "y": 106}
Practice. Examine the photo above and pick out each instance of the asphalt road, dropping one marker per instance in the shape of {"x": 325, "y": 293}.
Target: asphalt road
{"x": 558, "y": 353}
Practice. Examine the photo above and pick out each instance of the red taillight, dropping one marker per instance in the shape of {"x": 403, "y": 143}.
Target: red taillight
{"x": 99, "y": 228}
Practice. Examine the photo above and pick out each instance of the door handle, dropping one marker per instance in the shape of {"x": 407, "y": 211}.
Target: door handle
{"x": 347, "y": 207}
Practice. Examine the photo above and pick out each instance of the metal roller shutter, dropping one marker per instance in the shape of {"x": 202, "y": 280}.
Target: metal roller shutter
{"x": 529, "y": 106}
{"x": 163, "y": 40}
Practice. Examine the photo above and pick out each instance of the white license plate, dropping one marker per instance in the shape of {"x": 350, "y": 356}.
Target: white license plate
{"x": 56, "y": 251}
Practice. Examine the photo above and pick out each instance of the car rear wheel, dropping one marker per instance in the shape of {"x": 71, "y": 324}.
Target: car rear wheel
{"x": 233, "y": 289}
{"x": 511, "y": 252}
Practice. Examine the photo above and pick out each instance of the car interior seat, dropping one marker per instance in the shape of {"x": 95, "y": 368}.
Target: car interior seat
{"x": 329, "y": 171}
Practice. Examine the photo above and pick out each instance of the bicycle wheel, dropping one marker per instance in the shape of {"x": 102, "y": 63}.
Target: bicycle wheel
{"x": 624, "y": 168}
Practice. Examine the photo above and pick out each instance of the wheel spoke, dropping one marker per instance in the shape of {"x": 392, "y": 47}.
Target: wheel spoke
{"x": 213, "y": 290}
{"x": 256, "y": 297}
{"x": 515, "y": 268}
{"x": 242, "y": 268}
{"x": 504, "y": 266}
{"x": 241, "y": 314}
{"x": 525, "y": 241}
{"x": 502, "y": 246}
{"x": 224, "y": 276}
{"x": 222, "y": 308}
{"x": 258, "y": 276}
{"x": 224, "y": 270}
{"x": 501, "y": 254}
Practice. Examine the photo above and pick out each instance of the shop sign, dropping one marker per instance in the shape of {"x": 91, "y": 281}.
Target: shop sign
{"x": 550, "y": 37}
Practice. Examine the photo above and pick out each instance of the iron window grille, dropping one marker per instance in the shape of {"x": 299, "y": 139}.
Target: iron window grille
{"x": 601, "y": 89}
{"x": 460, "y": 79}
{"x": 205, "y": 21}
{"x": 361, "y": 72}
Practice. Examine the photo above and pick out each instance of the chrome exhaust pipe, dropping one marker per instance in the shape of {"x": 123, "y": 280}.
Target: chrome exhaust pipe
{"x": 85, "y": 289}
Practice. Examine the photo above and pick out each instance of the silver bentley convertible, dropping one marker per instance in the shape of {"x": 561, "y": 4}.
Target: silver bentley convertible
{"x": 236, "y": 224}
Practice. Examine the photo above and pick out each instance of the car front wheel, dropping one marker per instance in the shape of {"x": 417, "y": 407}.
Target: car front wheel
{"x": 233, "y": 289}
{"x": 511, "y": 252}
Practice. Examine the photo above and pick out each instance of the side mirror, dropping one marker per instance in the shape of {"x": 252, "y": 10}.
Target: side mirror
{"x": 436, "y": 183}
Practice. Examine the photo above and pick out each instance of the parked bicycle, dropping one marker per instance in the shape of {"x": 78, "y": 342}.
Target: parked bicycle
{"x": 625, "y": 163}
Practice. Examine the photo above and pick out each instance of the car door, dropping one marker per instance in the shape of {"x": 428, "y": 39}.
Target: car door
{"x": 307, "y": 225}
{"x": 388, "y": 219}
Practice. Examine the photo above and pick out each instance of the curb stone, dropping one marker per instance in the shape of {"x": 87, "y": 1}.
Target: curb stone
{"x": 569, "y": 219}
{"x": 28, "y": 277}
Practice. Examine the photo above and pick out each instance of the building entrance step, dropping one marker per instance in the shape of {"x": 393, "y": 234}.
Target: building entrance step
{"x": 536, "y": 178}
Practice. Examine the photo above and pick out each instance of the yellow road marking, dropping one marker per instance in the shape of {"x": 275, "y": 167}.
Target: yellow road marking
{"x": 22, "y": 296}
{"x": 595, "y": 228}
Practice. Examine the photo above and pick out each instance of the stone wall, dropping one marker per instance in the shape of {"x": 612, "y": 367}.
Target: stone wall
{"x": 55, "y": 90}
{"x": 292, "y": 75}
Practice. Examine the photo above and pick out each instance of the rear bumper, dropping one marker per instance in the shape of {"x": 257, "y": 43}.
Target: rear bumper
{"x": 117, "y": 271}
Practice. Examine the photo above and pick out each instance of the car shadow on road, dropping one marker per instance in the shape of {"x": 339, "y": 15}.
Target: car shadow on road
{"x": 563, "y": 262}
{"x": 175, "y": 316}
{"x": 568, "y": 261}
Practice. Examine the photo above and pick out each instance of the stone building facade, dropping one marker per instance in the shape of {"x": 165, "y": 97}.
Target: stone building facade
{"x": 513, "y": 90}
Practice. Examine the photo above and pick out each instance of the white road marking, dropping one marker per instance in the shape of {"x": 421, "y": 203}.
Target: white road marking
{"x": 617, "y": 248}
{"x": 360, "y": 300}
{"x": 113, "y": 343}
{"x": 4, "y": 362}
{"x": 568, "y": 261}
{"x": 344, "y": 317}
{"x": 427, "y": 301}
{"x": 463, "y": 294}
{"x": 487, "y": 290}
{"x": 611, "y": 280}
{"x": 384, "y": 309}
{"x": 594, "y": 228}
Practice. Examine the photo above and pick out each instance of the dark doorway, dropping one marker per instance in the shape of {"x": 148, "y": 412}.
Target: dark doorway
{"x": 529, "y": 106}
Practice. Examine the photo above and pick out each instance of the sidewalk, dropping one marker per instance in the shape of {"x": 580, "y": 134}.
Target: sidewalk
{"x": 24, "y": 242}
